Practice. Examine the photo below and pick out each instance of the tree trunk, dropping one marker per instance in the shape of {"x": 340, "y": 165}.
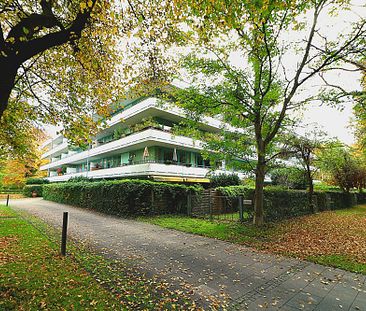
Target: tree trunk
{"x": 8, "y": 70}
{"x": 310, "y": 184}
{"x": 310, "y": 194}
{"x": 258, "y": 219}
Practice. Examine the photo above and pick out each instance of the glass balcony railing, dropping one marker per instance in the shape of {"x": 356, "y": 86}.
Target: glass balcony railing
{"x": 98, "y": 144}
{"x": 146, "y": 161}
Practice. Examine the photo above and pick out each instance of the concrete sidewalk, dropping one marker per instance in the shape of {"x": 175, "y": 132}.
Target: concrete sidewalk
{"x": 252, "y": 280}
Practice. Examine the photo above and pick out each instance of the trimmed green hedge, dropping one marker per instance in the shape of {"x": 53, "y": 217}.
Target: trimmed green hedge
{"x": 235, "y": 191}
{"x": 331, "y": 200}
{"x": 28, "y": 190}
{"x": 278, "y": 203}
{"x": 122, "y": 197}
{"x": 36, "y": 181}
{"x": 281, "y": 204}
{"x": 224, "y": 180}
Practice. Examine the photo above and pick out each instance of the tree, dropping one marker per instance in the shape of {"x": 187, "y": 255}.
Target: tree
{"x": 257, "y": 94}
{"x": 305, "y": 148}
{"x": 360, "y": 112}
{"x": 70, "y": 63}
{"x": 15, "y": 170}
{"x": 289, "y": 177}
{"x": 344, "y": 168}
{"x": 58, "y": 62}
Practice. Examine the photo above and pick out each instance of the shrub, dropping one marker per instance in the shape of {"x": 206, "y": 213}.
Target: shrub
{"x": 29, "y": 189}
{"x": 36, "y": 181}
{"x": 122, "y": 197}
{"x": 278, "y": 203}
{"x": 325, "y": 187}
{"x": 361, "y": 197}
{"x": 289, "y": 177}
{"x": 81, "y": 179}
{"x": 281, "y": 204}
{"x": 332, "y": 200}
{"x": 235, "y": 191}
{"x": 223, "y": 180}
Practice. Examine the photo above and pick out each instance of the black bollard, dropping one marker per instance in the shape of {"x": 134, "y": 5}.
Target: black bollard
{"x": 64, "y": 234}
{"x": 7, "y": 200}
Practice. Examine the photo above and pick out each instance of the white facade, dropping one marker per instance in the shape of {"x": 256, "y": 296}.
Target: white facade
{"x": 153, "y": 151}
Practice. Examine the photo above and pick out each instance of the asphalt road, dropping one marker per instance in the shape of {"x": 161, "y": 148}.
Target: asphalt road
{"x": 253, "y": 280}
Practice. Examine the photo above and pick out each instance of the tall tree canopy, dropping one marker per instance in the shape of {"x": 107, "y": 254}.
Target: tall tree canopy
{"x": 280, "y": 49}
{"x": 66, "y": 62}
{"x": 58, "y": 64}
{"x": 360, "y": 113}
{"x": 342, "y": 166}
{"x": 305, "y": 148}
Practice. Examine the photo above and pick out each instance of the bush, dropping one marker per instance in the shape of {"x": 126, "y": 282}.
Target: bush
{"x": 29, "y": 189}
{"x": 281, "y": 204}
{"x": 36, "y": 181}
{"x": 325, "y": 187}
{"x": 289, "y": 177}
{"x": 331, "y": 200}
{"x": 361, "y": 197}
{"x": 122, "y": 197}
{"x": 81, "y": 179}
{"x": 224, "y": 180}
{"x": 235, "y": 191}
{"x": 278, "y": 203}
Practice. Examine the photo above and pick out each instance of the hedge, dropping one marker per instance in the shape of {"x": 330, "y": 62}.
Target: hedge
{"x": 224, "y": 180}
{"x": 278, "y": 203}
{"x": 29, "y": 189}
{"x": 281, "y": 204}
{"x": 122, "y": 197}
{"x": 331, "y": 200}
{"x": 36, "y": 181}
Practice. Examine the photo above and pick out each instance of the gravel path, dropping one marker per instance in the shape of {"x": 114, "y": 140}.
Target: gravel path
{"x": 252, "y": 280}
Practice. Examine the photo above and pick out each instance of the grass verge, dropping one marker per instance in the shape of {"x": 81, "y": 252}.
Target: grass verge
{"x": 335, "y": 239}
{"x": 34, "y": 277}
{"x": 223, "y": 230}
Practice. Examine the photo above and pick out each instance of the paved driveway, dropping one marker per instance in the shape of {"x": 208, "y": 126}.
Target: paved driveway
{"x": 253, "y": 280}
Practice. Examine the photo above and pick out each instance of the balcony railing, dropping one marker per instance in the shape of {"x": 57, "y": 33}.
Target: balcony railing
{"x": 146, "y": 161}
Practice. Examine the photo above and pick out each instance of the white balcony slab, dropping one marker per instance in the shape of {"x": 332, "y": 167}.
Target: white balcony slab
{"x": 152, "y": 136}
{"x": 146, "y": 169}
{"x": 141, "y": 107}
{"x": 61, "y": 148}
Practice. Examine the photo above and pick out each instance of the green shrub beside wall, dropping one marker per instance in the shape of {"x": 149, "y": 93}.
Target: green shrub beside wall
{"x": 123, "y": 197}
{"x": 29, "y": 189}
{"x": 281, "y": 204}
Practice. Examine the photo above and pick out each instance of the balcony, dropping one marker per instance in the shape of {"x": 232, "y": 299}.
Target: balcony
{"x": 56, "y": 150}
{"x": 144, "y": 107}
{"x": 147, "y": 168}
{"x": 137, "y": 139}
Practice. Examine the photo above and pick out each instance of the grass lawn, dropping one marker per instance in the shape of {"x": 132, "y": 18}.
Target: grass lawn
{"x": 34, "y": 277}
{"x": 336, "y": 238}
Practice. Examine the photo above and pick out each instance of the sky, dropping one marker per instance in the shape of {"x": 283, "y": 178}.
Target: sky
{"x": 335, "y": 122}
